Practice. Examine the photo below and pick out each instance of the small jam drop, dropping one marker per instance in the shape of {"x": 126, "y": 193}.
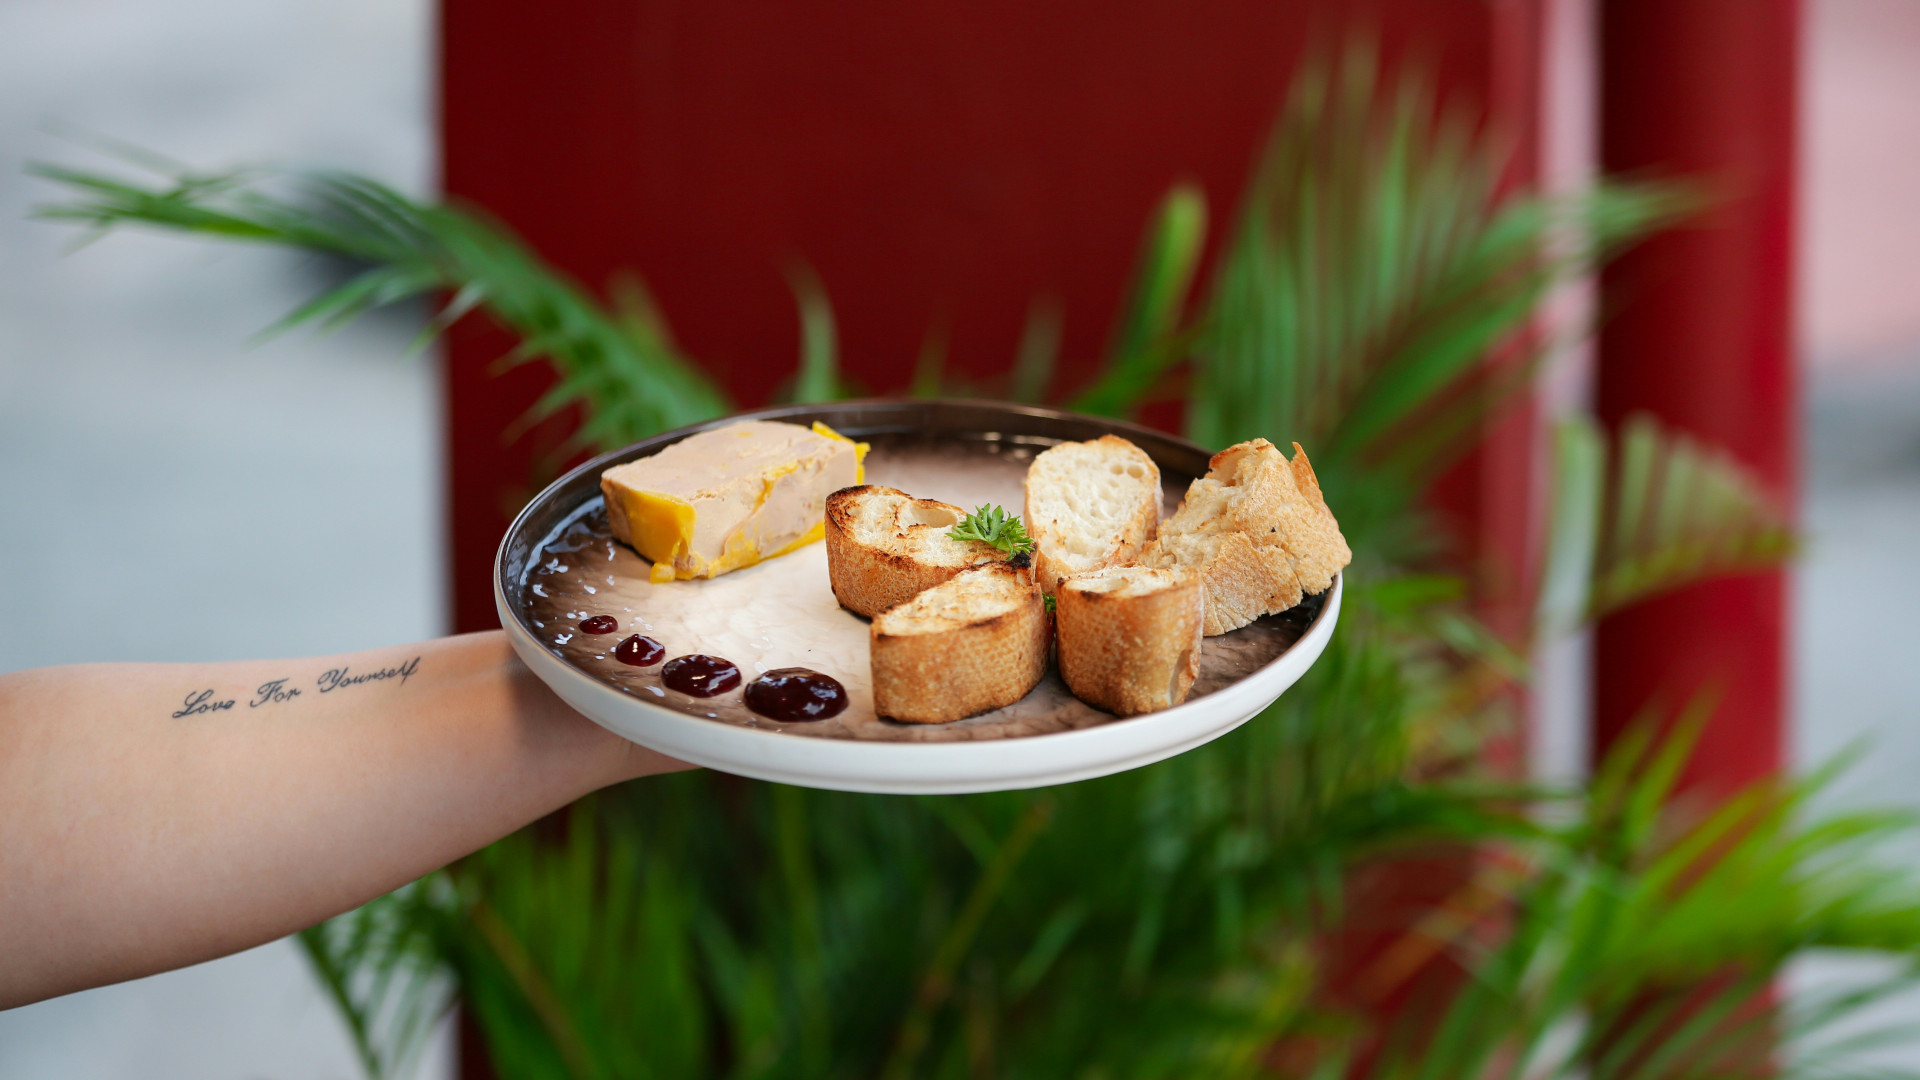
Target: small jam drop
{"x": 700, "y": 675}
{"x": 796, "y": 695}
{"x": 599, "y": 624}
{"x": 639, "y": 651}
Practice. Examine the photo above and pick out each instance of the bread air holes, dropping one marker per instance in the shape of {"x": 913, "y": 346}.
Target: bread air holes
{"x": 1085, "y": 546}
{"x": 914, "y": 514}
{"x": 1132, "y": 469}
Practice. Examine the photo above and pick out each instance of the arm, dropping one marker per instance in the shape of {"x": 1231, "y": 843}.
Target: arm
{"x": 156, "y": 815}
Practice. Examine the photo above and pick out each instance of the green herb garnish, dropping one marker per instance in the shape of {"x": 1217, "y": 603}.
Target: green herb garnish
{"x": 993, "y": 525}
{"x": 1048, "y": 600}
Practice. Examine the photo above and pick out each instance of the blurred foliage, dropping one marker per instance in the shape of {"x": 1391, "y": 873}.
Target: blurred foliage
{"x": 618, "y": 363}
{"x": 1373, "y": 300}
{"x": 1641, "y": 937}
{"x": 1138, "y": 925}
{"x": 1668, "y": 511}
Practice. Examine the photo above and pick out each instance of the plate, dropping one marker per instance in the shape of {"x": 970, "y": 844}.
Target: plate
{"x": 559, "y": 565}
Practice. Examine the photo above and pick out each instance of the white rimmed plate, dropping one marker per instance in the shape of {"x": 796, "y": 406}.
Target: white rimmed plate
{"x": 558, "y": 566}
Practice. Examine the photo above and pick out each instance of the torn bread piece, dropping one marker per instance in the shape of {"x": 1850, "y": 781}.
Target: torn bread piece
{"x": 884, "y": 547}
{"x": 1129, "y": 637}
{"x": 975, "y": 642}
{"x": 729, "y": 497}
{"x": 1090, "y": 505}
{"x": 1257, "y": 530}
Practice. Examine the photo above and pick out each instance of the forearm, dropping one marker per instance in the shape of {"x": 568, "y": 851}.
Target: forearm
{"x": 161, "y": 814}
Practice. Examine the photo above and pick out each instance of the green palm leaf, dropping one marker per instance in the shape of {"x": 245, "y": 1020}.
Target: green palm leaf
{"x": 622, "y": 370}
{"x": 1666, "y": 511}
{"x": 1150, "y": 338}
{"x": 1639, "y": 940}
{"x": 383, "y": 969}
{"x": 1376, "y": 266}
{"x": 819, "y": 378}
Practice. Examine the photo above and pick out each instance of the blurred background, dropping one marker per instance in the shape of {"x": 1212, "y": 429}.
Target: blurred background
{"x": 284, "y": 497}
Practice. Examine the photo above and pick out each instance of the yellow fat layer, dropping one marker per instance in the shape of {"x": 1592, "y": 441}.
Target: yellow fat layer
{"x": 663, "y": 531}
{"x": 859, "y": 459}
{"x": 818, "y": 532}
{"x": 662, "y": 526}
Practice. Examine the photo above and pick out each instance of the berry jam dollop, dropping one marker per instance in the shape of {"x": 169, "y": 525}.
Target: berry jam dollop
{"x": 599, "y": 624}
{"x": 638, "y": 651}
{"x": 796, "y": 695}
{"x": 700, "y": 675}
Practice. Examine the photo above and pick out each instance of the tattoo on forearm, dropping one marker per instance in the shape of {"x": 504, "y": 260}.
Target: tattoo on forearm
{"x": 201, "y": 701}
{"x": 273, "y": 693}
{"x": 339, "y": 678}
{"x": 277, "y": 692}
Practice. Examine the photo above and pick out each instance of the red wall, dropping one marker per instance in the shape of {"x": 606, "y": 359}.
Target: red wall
{"x": 939, "y": 165}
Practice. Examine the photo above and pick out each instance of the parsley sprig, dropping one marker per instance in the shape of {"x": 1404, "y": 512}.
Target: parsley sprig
{"x": 993, "y": 525}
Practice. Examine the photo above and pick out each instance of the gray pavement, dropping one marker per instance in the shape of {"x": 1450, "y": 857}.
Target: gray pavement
{"x": 169, "y": 492}
{"x": 1857, "y": 592}
{"x": 1857, "y": 628}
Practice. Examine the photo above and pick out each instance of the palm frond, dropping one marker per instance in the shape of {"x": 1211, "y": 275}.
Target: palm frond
{"x": 1641, "y": 937}
{"x": 621, "y": 370}
{"x": 1135, "y": 925}
{"x": 1150, "y": 338}
{"x": 382, "y": 968}
{"x": 819, "y": 378}
{"x": 1376, "y": 266}
{"x": 561, "y": 947}
{"x": 1039, "y": 351}
{"x": 1666, "y": 511}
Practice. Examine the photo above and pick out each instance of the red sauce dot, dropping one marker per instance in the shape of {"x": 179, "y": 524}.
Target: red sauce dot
{"x": 796, "y": 695}
{"x": 599, "y": 624}
{"x": 700, "y": 675}
{"x": 639, "y": 651}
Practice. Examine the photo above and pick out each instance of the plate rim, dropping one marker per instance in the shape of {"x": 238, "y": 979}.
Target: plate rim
{"x": 951, "y": 767}
{"x": 973, "y": 756}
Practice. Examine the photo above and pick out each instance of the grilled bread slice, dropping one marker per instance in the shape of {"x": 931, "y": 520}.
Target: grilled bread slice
{"x": 1129, "y": 637}
{"x": 884, "y": 547}
{"x": 1257, "y": 530}
{"x": 1090, "y": 505}
{"x": 975, "y": 642}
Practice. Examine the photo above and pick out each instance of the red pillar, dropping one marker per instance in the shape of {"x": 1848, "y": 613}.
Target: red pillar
{"x": 1699, "y": 334}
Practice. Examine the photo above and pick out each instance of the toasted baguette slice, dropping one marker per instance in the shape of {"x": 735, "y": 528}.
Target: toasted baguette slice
{"x": 1241, "y": 581}
{"x": 973, "y": 643}
{"x": 885, "y": 547}
{"x": 1090, "y": 505}
{"x": 1129, "y": 637}
{"x": 1258, "y": 531}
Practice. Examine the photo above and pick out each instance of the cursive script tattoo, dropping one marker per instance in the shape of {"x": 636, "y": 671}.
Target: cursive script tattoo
{"x": 339, "y": 678}
{"x": 272, "y": 693}
{"x": 202, "y": 702}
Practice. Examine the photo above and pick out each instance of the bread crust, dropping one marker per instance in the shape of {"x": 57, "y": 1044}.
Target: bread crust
{"x": 1119, "y": 546}
{"x": 1130, "y": 652}
{"x": 935, "y": 676}
{"x": 1258, "y": 530}
{"x": 869, "y": 577}
{"x": 1316, "y": 545}
{"x": 1244, "y": 581}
